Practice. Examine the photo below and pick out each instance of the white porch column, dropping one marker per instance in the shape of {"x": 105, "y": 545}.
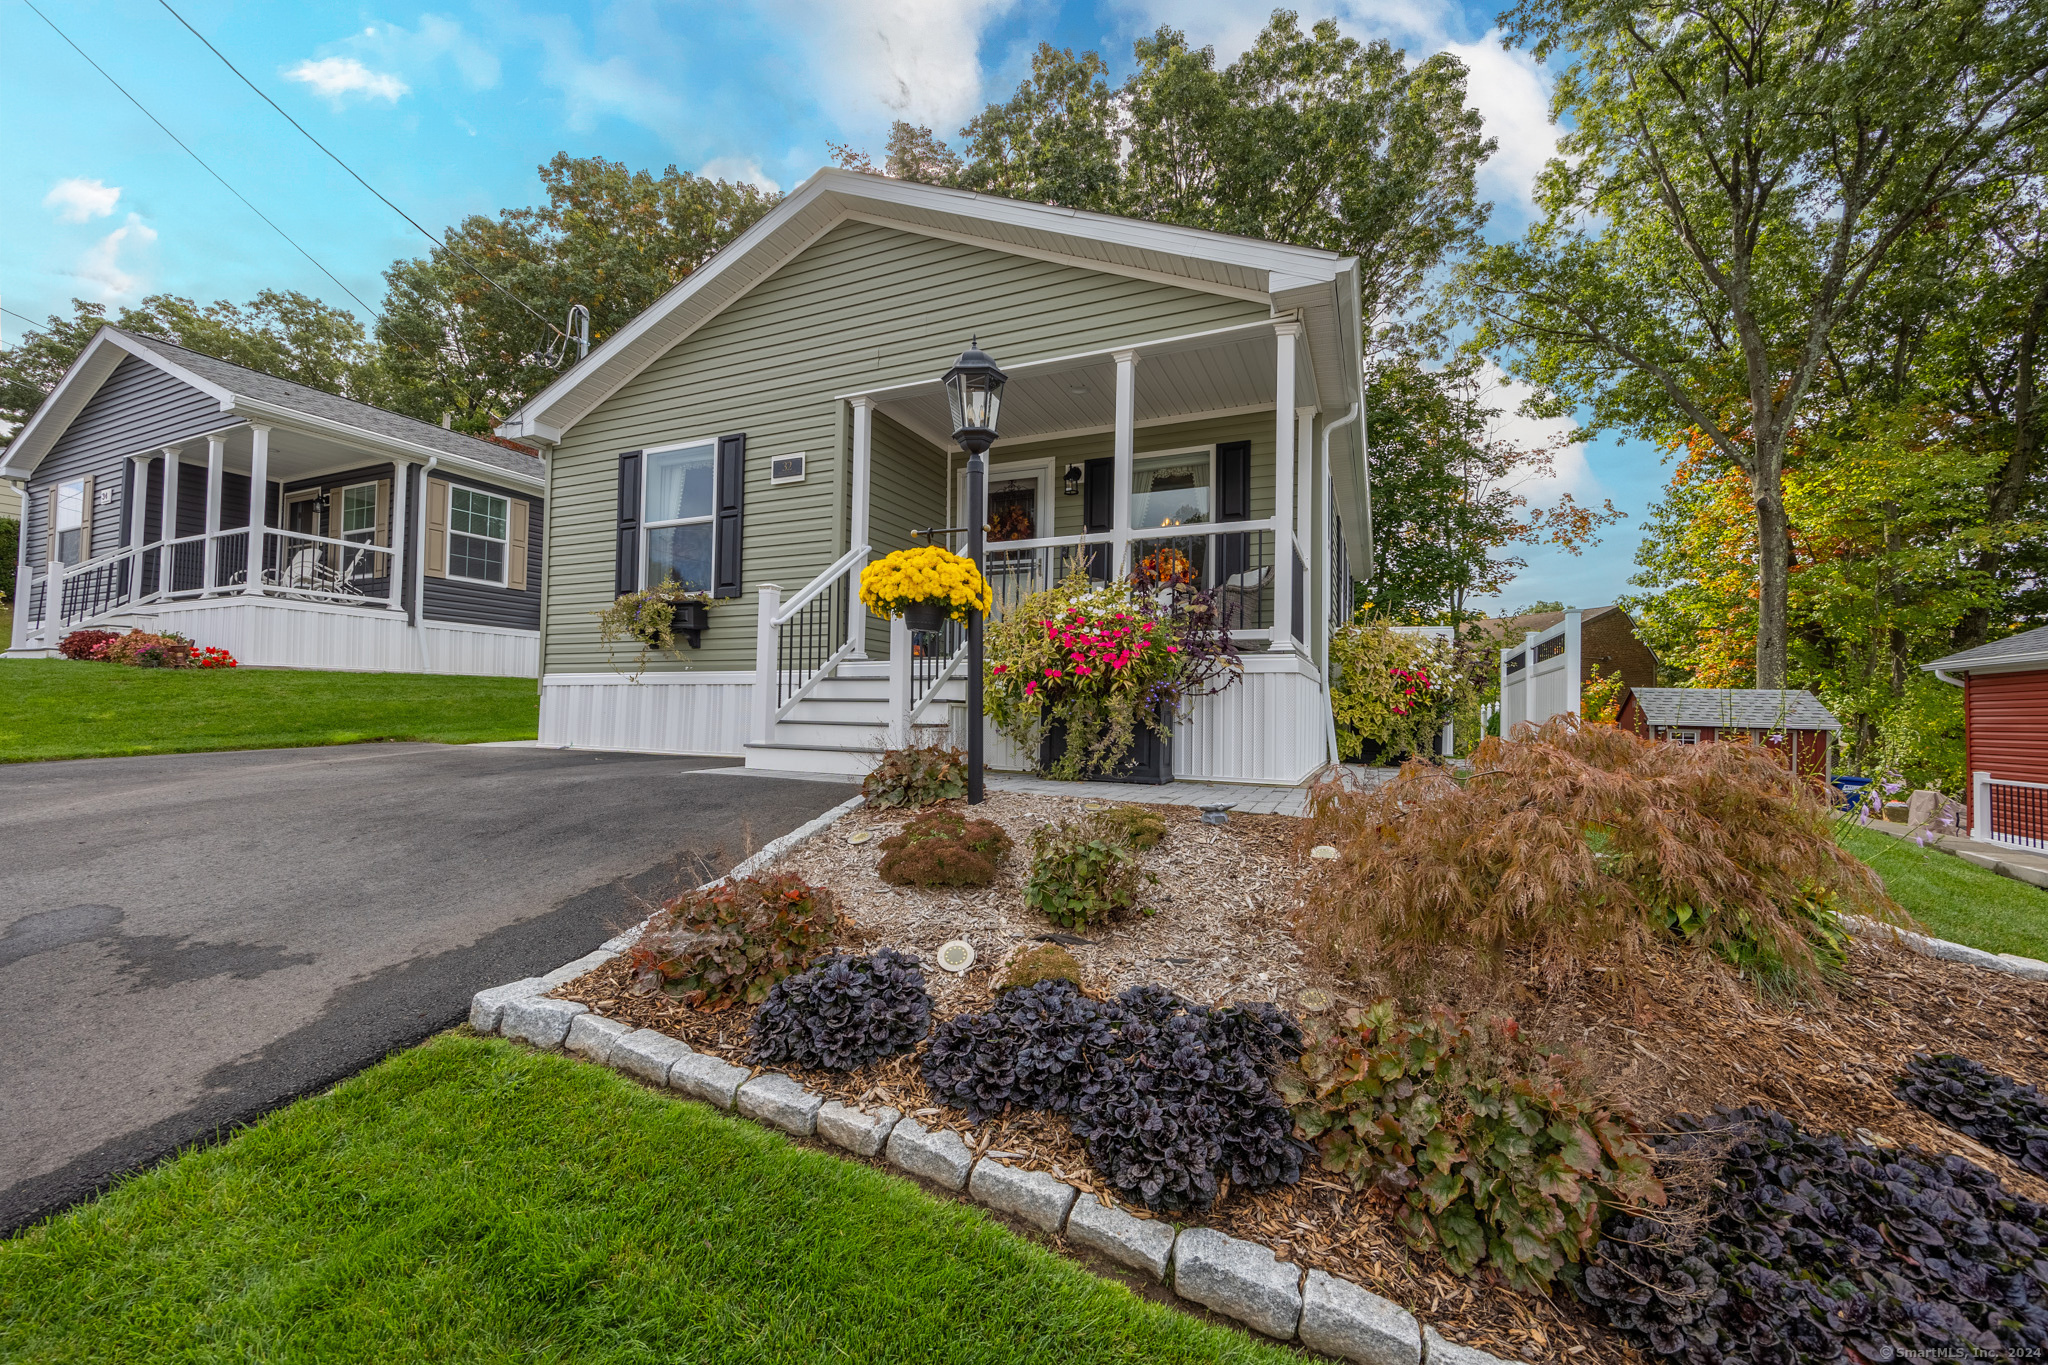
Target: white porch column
{"x": 138, "y": 521}
{"x": 1980, "y": 807}
{"x": 1123, "y": 449}
{"x": 401, "y": 475}
{"x": 857, "y": 535}
{"x": 165, "y": 579}
{"x": 767, "y": 646}
{"x": 1285, "y": 334}
{"x": 216, "y": 463}
{"x": 259, "y": 516}
{"x": 899, "y": 683}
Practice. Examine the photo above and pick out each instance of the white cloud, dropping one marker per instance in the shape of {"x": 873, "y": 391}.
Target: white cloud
{"x": 335, "y": 77}
{"x": 593, "y": 89}
{"x": 1572, "y": 474}
{"x": 434, "y": 39}
{"x": 1512, "y": 93}
{"x": 102, "y": 264}
{"x": 918, "y": 60}
{"x": 741, "y": 168}
{"x": 78, "y": 200}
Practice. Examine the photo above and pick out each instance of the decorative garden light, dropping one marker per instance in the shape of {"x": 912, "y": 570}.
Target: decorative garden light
{"x": 974, "y": 392}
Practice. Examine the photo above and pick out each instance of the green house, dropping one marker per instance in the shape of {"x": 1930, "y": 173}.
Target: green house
{"x": 777, "y": 420}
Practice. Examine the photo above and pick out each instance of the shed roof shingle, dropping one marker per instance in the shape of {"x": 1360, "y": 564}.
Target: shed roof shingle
{"x": 2020, "y": 648}
{"x": 1761, "y": 707}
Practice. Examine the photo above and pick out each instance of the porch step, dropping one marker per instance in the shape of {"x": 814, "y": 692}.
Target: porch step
{"x": 804, "y": 758}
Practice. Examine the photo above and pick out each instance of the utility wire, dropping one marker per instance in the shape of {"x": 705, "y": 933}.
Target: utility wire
{"x": 196, "y": 157}
{"x": 437, "y": 241}
{"x": 30, "y": 321}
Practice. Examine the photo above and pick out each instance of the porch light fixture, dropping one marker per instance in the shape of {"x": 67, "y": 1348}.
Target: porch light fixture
{"x": 1072, "y": 477}
{"x": 974, "y": 393}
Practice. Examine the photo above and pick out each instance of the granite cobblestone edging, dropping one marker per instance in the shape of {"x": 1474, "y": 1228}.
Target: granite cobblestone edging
{"x": 1237, "y": 1278}
{"x": 2011, "y": 964}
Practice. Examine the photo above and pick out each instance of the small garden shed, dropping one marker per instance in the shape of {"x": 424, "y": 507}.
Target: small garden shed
{"x": 2005, "y": 727}
{"x": 1791, "y": 720}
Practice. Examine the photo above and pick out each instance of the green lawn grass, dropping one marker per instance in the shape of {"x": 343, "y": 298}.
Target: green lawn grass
{"x": 473, "y": 1201}
{"x": 1956, "y": 900}
{"x": 55, "y": 708}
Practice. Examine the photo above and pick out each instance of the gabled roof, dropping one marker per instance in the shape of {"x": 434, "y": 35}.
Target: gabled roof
{"x": 2027, "y": 647}
{"x": 251, "y": 394}
{"x": 1759, "y": 707}
{"x": 1321, "y": 284}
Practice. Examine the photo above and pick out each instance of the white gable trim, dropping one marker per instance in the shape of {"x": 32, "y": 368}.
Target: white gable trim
{"x": 595, "y": 379}
{"x": 93, "y": 367}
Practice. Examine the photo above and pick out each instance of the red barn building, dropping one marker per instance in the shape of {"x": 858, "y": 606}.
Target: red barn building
{"x": 1794, "y": 722}
{"x": 2005, "y": 724}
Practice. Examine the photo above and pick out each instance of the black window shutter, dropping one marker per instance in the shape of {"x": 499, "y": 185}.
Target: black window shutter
{"x": 626, "y": 574}
{"x": 732, "y": 492}
{"x": 1098, "y": 511}
{"x": 1234, "y": 501}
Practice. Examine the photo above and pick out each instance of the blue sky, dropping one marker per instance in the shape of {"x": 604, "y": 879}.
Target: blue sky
{"x": 449, "y": 110}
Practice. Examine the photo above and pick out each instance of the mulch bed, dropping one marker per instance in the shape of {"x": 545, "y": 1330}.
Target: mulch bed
{"x": 1679, "y": 1038}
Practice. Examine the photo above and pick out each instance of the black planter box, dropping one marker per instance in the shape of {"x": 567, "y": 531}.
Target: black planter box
{"x": 1148, "y": 764}
{"x": 691, "y": 620}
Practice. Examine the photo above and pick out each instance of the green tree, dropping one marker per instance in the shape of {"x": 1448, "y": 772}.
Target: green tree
{"x": 1447, "y": 501}
{"x": 1736, "y": 184}
{"x": 1310, "y": 137}
{"x": 462, "y": 323}
{"x": 280, "y": 332}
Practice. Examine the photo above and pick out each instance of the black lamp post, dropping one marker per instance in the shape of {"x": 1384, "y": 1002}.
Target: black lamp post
{"x": 974, "y": 391}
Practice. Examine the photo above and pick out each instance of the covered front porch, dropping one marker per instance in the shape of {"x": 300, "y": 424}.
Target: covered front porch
{"x": 1200, "y": 459}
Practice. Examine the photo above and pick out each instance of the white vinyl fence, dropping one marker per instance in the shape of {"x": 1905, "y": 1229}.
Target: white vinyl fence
{"x": 1539, "y": 678}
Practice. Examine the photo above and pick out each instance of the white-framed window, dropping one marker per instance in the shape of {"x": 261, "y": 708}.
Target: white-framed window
{"x": 359, "y": 513}
{"x": 479, "y": 526}
{"x": 678, "y": 503}
{"x": 1173, "y": 488}
{"x": 1685, "y": 736}
{"x": 67, "y": 533}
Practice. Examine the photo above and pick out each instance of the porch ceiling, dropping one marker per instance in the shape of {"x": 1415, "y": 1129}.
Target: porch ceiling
{"x": 294, "y": 455}
{"x": 1175, "y": 378}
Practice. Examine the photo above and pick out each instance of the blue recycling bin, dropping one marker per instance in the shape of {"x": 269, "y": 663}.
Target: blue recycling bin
{"x": 1848, "y": 790}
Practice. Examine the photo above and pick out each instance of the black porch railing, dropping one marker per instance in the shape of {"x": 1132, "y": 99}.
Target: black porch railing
{"x": 2019, "y": 813}
{"x": 807, "y": 641}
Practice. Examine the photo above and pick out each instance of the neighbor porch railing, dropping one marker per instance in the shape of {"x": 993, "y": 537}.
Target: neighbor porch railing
{"x": 2014, "y": 813}
{"x": 291, "y": 564}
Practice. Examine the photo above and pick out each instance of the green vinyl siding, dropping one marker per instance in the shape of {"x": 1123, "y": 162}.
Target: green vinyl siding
{"x": 863, "y": 306}
{"x": 907, "y": 478}
{"x": 1256, "y": 427}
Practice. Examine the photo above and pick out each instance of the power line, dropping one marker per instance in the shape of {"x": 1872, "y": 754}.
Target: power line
{"x": 30, "y": 321}
{"x": 201, "y": 160}
{"x": 437, "y": 241}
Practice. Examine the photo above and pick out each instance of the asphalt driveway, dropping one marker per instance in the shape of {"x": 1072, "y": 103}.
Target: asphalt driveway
{"x": 188, "y": 941}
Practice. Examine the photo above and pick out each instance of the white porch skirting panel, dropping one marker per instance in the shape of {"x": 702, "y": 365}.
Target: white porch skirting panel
{"x": 1265, "y": 727}
{"x": 656, "y": 713}
{"x": 270, "y": 632}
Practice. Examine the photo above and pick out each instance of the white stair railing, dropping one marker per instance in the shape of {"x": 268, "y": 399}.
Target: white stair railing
{"x": 798, "y": 644}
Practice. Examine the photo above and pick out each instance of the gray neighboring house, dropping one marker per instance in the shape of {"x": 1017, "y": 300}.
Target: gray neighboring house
{"x": 378, "y": 543}
{"x": 777, "y": 420}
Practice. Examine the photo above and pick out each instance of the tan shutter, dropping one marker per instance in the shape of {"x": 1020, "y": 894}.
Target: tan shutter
{"x": 383, "y": 536}
{"x": 515, "y": 546}
{"x": 85, "y": 511}
{"x": 50, "y": 531}
{"x": 436, "y": 562}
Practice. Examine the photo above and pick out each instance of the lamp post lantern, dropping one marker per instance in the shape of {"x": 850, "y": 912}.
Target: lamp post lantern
{"x": 974, "y": 392}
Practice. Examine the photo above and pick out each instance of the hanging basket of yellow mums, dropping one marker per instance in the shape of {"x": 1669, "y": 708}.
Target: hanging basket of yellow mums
{"x": 925, "y": 586}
